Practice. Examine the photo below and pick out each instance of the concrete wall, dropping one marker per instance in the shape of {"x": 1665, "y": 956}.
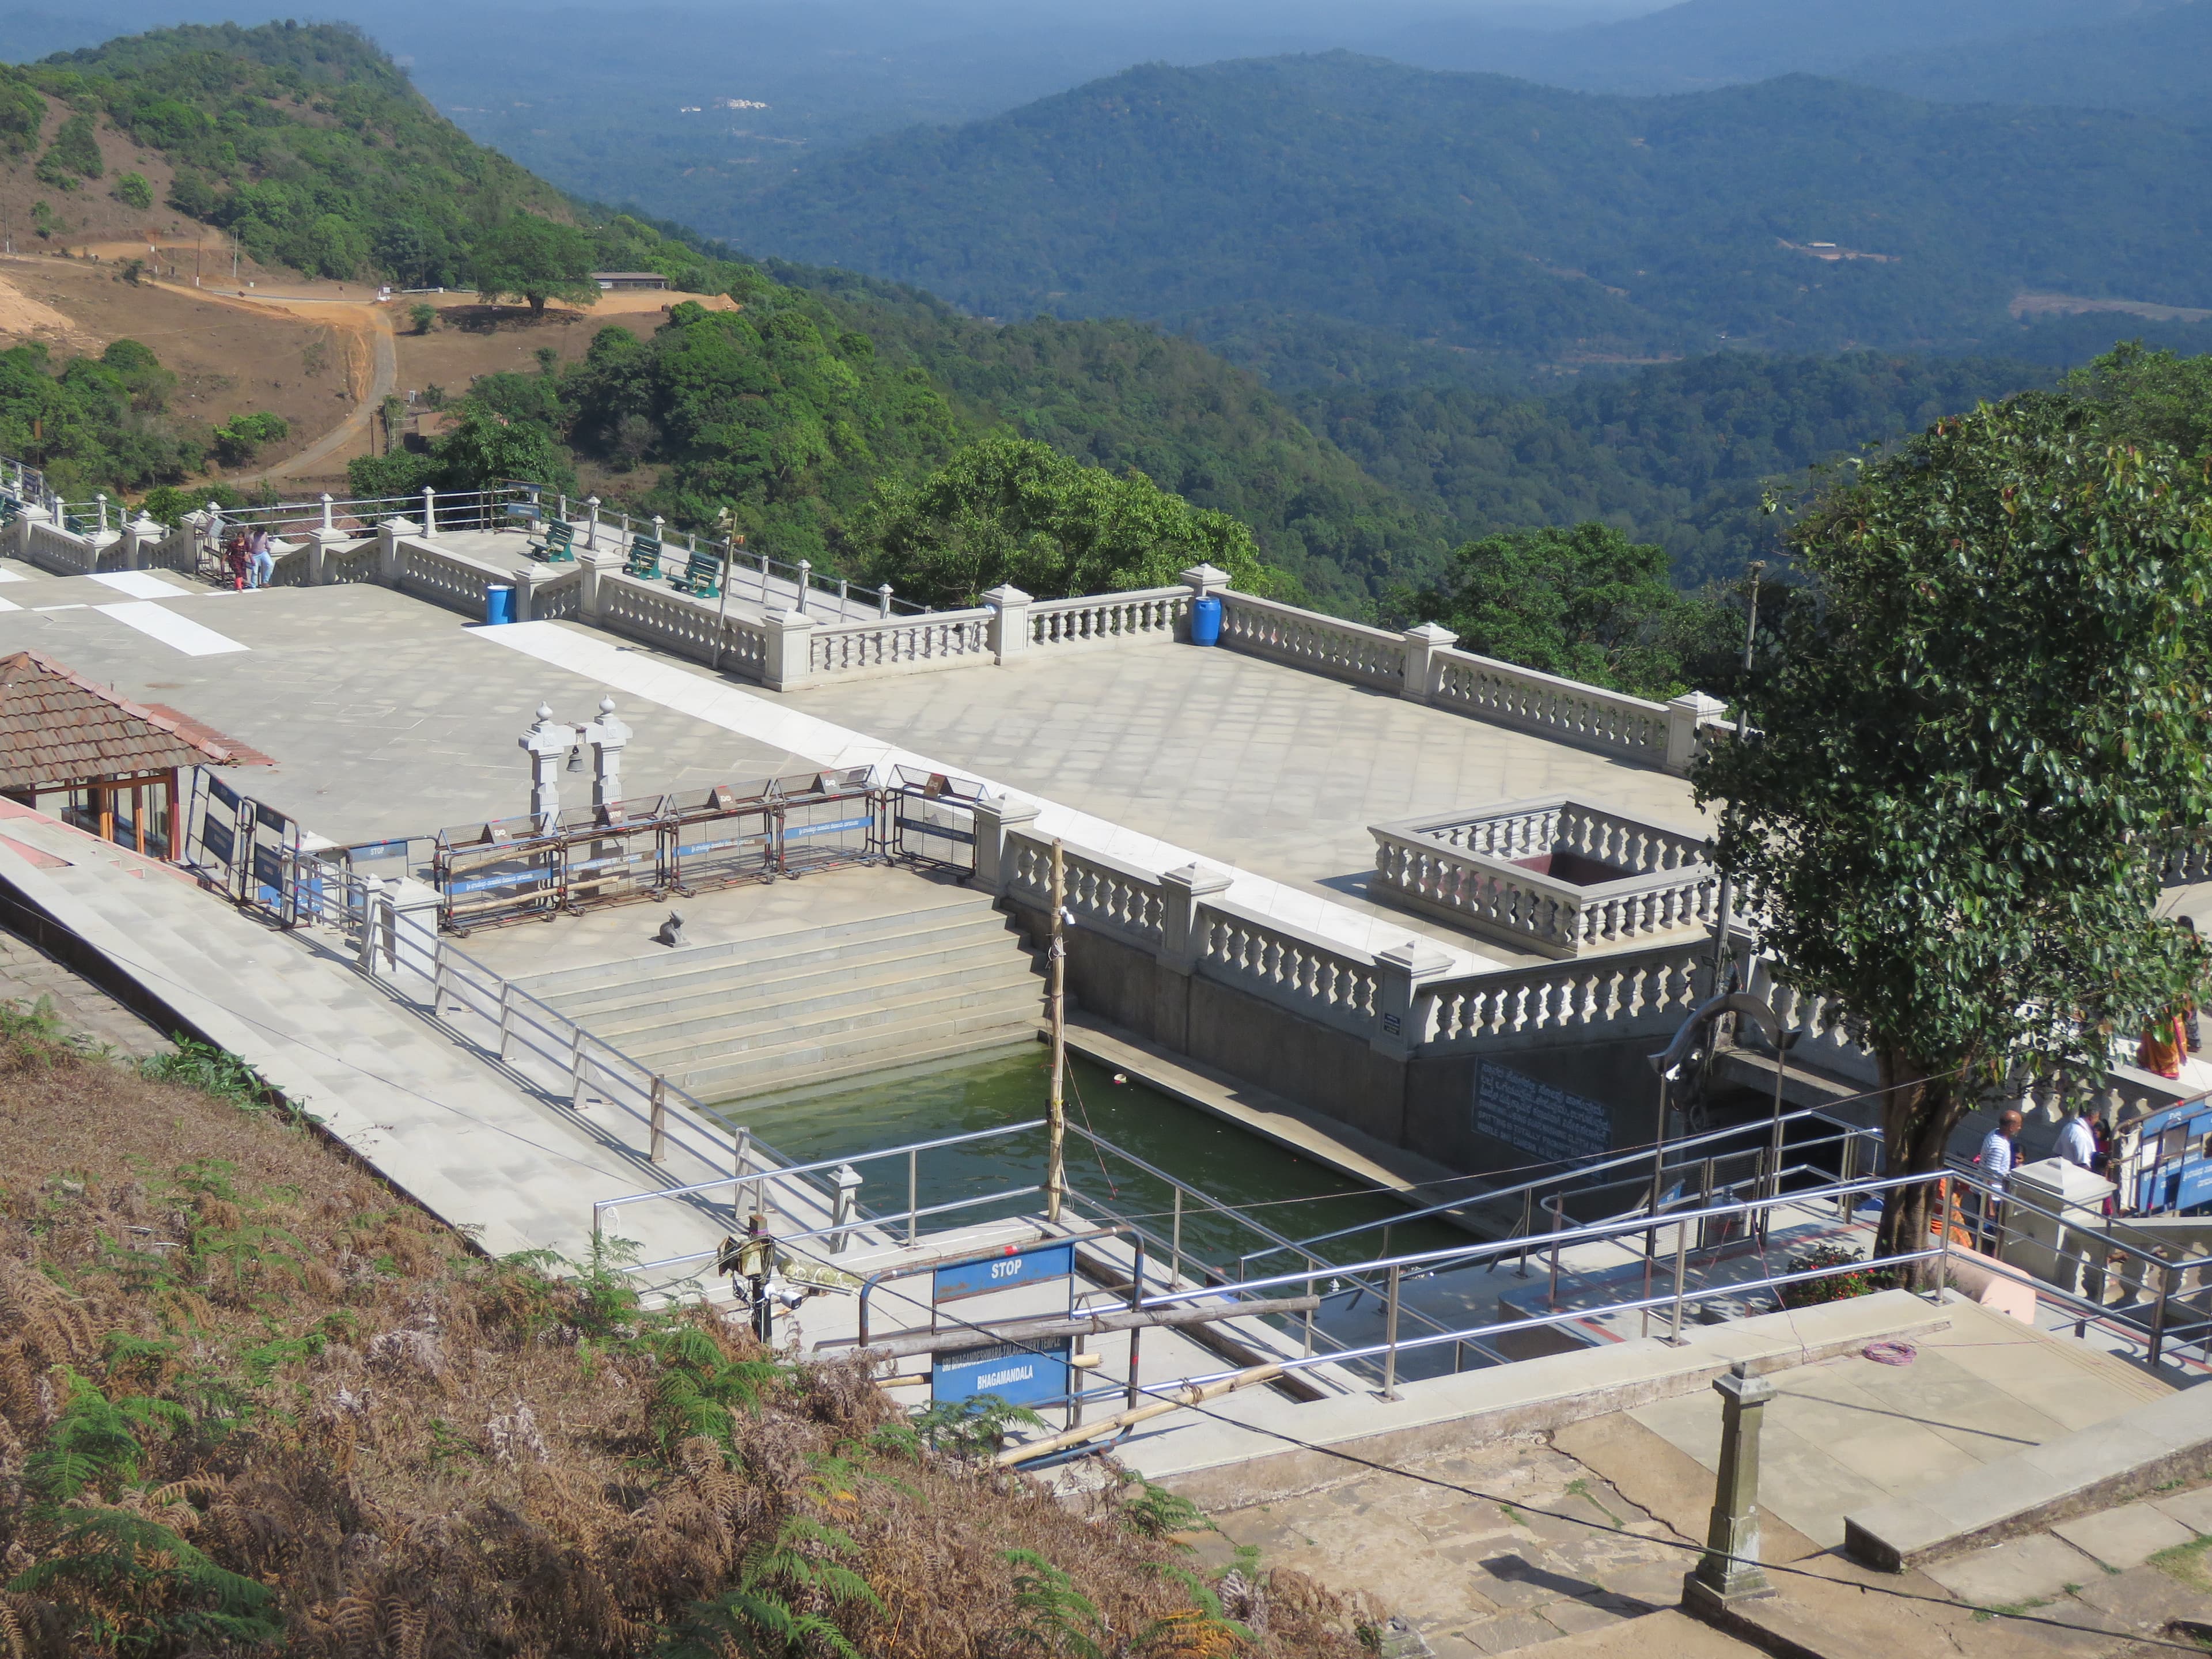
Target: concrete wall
{"x": 1425, "y": 1105}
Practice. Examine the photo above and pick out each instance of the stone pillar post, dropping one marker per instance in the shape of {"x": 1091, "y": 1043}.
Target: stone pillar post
{"x": 139, "y": 537}
{"x": 1422, "y": 668}
{"x": 805, "y": 581}
{"x": 387, "y": 550}
{"x": 597, "y": 563}
{"x": 320, "y": 544}
{"x": 996, "y": 816}
{"x": 592, "y": 524}
{"x": 2055, "y": 1246}
{"x": 100, "y": 497}
{"x": 1183, "y": 938}
{"x": 883, "y": 601}
{"x": 790, "y": 649}
{"x": 1399, "y": 972}
{"x": 607, "y": 736}
{"x": 847, "y": 1180}
{"x": 527, "y": 582}
{"x": 429, "y": 510}
{"x": 546, "y": 742}
{"x": 1010, "y": 622}
{"x": 1204, "y": 579}
{"x": 330, "y": 524}
{"x": 1730, "y": 1569}
{"x": 1686, "y": 716}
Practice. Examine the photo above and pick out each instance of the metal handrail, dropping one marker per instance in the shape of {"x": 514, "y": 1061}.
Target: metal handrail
{"x": 1640, "y": 1156}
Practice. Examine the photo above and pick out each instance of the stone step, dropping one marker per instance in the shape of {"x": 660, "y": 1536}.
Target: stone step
{"x": 791, "y": 1005}
{"x": 742, "y": 995}
{"x": 765, "y": 958}
{"x": 855, "y": 1054}
{"x": 953, "y": 1003}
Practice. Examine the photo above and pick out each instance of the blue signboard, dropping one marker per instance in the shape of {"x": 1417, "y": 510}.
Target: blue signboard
{"x": 1003, "y": 1272}
{"x": 800, "y": 831}
{"x": 1019, "y": 1373}
{"x": 214, "y": 835}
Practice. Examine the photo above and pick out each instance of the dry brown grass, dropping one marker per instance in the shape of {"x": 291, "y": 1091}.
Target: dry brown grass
{"x": 249, "y": 1399}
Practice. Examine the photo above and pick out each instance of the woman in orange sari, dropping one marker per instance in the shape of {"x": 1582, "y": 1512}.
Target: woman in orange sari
{"x": 2164, "y": 1045}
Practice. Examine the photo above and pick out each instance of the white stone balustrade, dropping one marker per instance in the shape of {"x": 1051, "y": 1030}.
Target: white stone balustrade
{"x": 1144, "y": 616}
{"x": 1636, "y": 994}
{"x": 641, "y": 611}
{"x": 1117, "y": 899}
{"x": 890, "y": 645}
{"x": 1306, "y": 639}
{"x": 1553, "y": 875}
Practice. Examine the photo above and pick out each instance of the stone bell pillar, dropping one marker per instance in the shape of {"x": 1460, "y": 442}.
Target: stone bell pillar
{"x": 608, "y": 738}
{"x": 1730, "y": 1569}
{"x": 545, "y": 742}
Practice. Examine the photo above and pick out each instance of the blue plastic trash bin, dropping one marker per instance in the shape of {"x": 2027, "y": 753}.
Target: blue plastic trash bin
{"x": 1206, "y": 621}
{"x": 499, "y": 605}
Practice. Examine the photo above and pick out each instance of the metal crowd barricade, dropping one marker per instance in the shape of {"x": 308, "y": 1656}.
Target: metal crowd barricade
{"x": 508, "y": 870}
{"x": 727, "y": 836}
{"x": 930, "y": 818}
{"x": 825, "y": 819}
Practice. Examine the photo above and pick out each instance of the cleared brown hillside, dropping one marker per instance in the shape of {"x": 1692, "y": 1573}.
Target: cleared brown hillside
{"x": 251, "y": 1399}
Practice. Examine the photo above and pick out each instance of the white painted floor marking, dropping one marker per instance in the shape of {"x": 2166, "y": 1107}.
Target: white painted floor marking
{"x": 9, "y": 605}
{"x": 177, "y": 632}
{"x": 140, "y": 585}
{"x": 13, "y": 576}
{"x": 829, "y": 745}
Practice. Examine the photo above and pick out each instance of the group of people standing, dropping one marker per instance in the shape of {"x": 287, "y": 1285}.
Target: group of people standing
{"x": 249, "y": 556}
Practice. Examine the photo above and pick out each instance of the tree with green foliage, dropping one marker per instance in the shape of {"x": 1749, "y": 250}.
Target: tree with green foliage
{"x": 74, "y": 156}
{"x": 531, "y": 258}
{"x": 484, "y": 448}
{"x": 1013, "y": 511}
{"x": 423, "y": 315}
{"x": 96, "y": 422}
{"x": 241, "y": 437}
{"x": 1967, "y": 763}
{"x": 1586, "y": 603}
{"x": 133, "y": 191}
{"x": 2139, "y": 394}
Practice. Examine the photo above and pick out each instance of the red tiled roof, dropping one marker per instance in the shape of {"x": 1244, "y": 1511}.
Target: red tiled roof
{"x": 57, "y": 728}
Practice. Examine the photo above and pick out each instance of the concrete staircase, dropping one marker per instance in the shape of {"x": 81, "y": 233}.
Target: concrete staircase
{"x": 779, "y": 1010}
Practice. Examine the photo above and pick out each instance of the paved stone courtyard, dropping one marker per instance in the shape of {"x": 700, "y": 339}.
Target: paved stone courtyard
{"x": 388, "y": 716}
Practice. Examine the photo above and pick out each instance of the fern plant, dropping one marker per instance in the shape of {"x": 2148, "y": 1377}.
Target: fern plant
{"x": 137, "y": 1588}
{"x": 699, "y": 1387}
{"x": 757, "y": 1620}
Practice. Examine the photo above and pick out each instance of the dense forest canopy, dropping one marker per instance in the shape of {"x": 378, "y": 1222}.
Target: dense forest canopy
{"x": 1796, "y": 214}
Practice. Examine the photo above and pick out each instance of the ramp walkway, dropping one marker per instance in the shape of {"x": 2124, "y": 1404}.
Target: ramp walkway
{"x": 450, "y": 1128}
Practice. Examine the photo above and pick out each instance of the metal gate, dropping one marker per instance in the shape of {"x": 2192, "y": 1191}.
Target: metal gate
{"x": 244, "y": 847}
{"x": 825, "y": 819}
{"x": 931, "y": 818}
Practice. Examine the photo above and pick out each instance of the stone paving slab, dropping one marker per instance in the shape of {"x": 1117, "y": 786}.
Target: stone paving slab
{"x": 2125, "y": 1537}
{"x": 383, "y": 715}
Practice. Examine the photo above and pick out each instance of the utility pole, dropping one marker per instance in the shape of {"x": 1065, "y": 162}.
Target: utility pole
{"x": 1055, "y": 1167}
{"x": 1758, "y": 568}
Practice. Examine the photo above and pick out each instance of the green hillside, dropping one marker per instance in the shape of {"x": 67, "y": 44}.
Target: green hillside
{"x": 1497, "y": 215}
{"x": 306, "y": 143}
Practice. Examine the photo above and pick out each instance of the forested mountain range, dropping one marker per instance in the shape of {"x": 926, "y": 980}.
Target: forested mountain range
{"x": 1502, "y": 217}
{"x": 2158, "y": 61}
{"x": 1354, "y": 455}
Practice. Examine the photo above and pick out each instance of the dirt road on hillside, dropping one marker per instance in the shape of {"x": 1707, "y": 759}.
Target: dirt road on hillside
{"x": 373, "y": 367}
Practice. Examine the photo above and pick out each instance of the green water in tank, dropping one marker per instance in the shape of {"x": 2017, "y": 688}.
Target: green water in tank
{"x": 1295, "y": 1196}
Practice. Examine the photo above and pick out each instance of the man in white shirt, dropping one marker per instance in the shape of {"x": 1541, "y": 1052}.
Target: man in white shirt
{"x": 2077, "y": 1141}
{"x": 1997, "y": 1160}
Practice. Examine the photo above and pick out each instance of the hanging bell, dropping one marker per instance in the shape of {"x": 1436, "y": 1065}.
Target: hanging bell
{"x": 576, "y": 758}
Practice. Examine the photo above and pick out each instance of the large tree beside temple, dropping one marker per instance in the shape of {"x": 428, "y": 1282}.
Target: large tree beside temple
{"x": 1971, "y": 754}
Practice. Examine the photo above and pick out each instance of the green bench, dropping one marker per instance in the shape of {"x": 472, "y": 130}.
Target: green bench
{"x": 559, "y": 545}
{"x": 702, "y": 575}
{"x": 644, "y": 557}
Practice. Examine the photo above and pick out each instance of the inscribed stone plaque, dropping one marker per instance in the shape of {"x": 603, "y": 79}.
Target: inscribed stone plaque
{"x": 1547, "y": 1122}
